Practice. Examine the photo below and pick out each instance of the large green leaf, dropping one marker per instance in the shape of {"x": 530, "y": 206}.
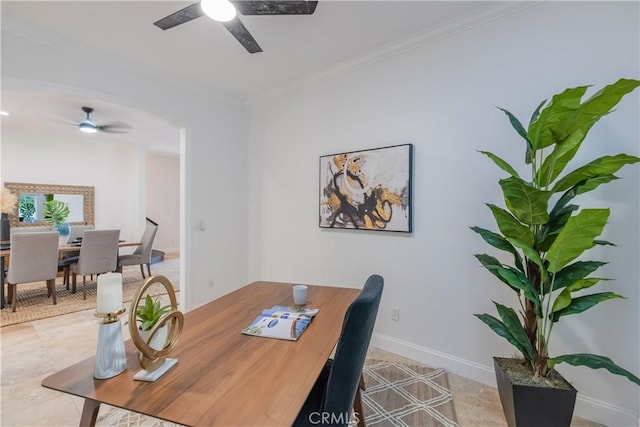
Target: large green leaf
{"x": 536, "y": 112}
{"x": 555, "y": 162}
{"x": 574, "y": 272}
{"x": 517, "y": 279}
{"x": 594, "y": 182}
{"x": 510, "y": 227}
{"x": 528, "y": 157}
{"x": 550, "y": 230}
{"x": 502, "y": 164}
{"x": 501, "y": 329}
{"x": 594, "y": 361}
{"x": 499, "y": 242}
{"x": 561, "y": 107}
{"x": 597, "y": 106}
{"x": 525, "y": 202}
{"x": 580, "y": 188}
{"x": 55, "y": 211}
{"x": 531, "y": 254}
{"x": 605, "y": 165}
{"x": 515, "y": 123}
{"x": 576, "y": 237}
{"x": 580, "y": 304}
{"x": 568, "y": 115}
{"x": 512, "y": 322}
{"x": 493, "y": 266}
{"x": 563, "y": 299}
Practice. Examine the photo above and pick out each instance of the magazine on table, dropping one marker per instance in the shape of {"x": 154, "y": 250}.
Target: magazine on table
{"x": 281, "y": 322}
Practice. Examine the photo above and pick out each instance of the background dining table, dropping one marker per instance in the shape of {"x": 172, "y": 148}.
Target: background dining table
{"x": 6, "y": 252}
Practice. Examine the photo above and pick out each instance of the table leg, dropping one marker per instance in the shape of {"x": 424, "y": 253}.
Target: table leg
{"x": 89, "y": 413}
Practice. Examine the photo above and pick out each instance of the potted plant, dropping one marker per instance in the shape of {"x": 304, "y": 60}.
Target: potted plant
{"x": 56, "y": 213}
{"x": 545, "y": 232}
{"x": 148, "y": 315}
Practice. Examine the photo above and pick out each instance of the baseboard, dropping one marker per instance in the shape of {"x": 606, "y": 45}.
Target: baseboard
{"x": 586, "y": 407}
{"x": 605, "y": 413}
{"x": 465, "y": 368}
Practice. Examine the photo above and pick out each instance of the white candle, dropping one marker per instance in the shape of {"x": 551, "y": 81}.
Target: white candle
{"x": 109, "y": 299}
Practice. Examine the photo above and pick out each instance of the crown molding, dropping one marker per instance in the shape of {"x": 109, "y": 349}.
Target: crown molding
{"x": 446, "y": 29}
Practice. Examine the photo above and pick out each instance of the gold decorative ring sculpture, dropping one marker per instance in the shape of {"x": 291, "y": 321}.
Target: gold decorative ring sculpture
{"x": 150, "y": 358}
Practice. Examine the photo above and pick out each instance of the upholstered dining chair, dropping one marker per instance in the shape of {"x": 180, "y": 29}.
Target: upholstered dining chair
{"x": 34, "y": 258}
{"x": 337, "y": 389}
{"x": 142, "y": 255}
{"x": 98, "y": 254}
{"x": 34, "y": 229}
{"x": 75, "y": 233}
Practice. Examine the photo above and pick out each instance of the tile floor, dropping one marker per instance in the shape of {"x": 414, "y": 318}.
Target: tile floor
{"x": 32, "y": 351}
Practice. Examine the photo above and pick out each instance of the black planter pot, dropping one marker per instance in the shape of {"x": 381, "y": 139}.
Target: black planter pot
{"x": 533, "y": 406}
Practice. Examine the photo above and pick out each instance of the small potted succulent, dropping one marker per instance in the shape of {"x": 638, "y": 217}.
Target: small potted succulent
{"x": 147, "y": 316}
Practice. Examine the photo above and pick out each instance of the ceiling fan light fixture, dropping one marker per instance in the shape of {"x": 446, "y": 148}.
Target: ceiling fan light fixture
{"x": 218, "y": 10}
{"x": 88, "y": 126}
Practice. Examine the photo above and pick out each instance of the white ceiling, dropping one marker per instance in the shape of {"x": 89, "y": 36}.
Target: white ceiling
{"x": 203, "y": 54}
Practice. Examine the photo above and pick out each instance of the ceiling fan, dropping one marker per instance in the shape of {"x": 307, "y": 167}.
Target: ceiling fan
{"x": 88, "y": 125}
{"x": 235, "y": 26}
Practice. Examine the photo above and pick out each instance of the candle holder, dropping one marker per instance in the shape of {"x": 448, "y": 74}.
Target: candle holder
{"x": 111, "y": 359}
{"x": 154, "y": 361}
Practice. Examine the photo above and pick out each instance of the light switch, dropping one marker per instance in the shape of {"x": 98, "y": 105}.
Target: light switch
{"x": 201, "y": 225}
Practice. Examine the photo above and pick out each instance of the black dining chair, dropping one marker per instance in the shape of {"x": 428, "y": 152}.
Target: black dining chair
{"x": 337, "y": 389}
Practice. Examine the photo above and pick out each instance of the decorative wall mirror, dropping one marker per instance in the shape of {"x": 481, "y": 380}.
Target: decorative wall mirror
{"x": 32, "y": 197}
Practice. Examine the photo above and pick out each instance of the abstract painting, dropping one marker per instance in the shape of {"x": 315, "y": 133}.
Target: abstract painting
{"x": 367, "y": 190}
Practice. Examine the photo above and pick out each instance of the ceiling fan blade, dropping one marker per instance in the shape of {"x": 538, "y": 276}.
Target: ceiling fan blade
{"x": 273, "y": 7}
{"x": 111, "y": 130}
{"x": 115, "y": 128}
{"x": 243, "y": 35}
{"x": 187, "y": 14}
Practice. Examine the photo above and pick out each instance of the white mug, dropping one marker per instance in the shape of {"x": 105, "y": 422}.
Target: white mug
{"x": 299, "y": 294}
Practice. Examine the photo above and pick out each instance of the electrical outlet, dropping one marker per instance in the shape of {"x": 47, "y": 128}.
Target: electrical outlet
{"x": 211, "y": 283}
{"x": 395, "y": 313}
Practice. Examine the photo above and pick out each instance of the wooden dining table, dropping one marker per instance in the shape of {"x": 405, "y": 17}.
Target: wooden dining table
{"x": 62, "y": 249}
{"x": 223, "y": 377}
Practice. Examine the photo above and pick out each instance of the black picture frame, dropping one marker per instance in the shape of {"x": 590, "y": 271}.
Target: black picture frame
{"x": 367, "y": 189}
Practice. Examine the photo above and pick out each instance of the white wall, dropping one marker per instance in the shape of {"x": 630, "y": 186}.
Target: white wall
{"x": 106, "y": 167}
{"x": 214, "y": 261}
{"x": 441, "y": 96}
{"x": 111, "y": 169}
{"x": 163, "y": 199}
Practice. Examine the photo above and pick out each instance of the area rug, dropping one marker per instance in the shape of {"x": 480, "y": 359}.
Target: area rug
{"x": 396, "y": 395}
{"x": 33, "y": 303}
{"x": 406, "y": 395}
